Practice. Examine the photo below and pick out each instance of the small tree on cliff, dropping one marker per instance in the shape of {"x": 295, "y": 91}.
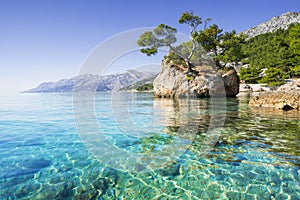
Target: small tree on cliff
{"x": 164, "y": 36}
{"x": 225, "y": 47}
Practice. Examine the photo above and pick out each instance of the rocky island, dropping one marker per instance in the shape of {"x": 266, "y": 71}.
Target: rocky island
{"x": 171, "y": 82}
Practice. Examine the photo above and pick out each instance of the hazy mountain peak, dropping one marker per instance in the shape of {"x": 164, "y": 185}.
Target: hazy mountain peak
{"x": 283, "y": 21}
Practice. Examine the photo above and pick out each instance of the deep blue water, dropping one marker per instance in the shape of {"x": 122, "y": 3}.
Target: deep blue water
{"x": 145, "y": 148}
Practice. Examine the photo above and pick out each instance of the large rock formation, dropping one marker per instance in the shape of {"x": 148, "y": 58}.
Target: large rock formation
{"x": 274, "y": 24}
{"x": 286, "y": 97}
{"x": 171, "y": 82}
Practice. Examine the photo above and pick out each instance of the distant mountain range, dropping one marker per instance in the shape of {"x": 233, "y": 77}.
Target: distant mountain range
{"x": 283, "y": 21}
{"x": 135, "y": 86}
{"x": 89, "y": 82}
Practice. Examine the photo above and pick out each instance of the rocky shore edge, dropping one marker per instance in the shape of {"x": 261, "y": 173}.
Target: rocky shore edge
{"x": 286, "y": 97}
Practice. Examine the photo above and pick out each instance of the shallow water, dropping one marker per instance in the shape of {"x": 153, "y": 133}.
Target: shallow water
{"x": 145, "y": 148}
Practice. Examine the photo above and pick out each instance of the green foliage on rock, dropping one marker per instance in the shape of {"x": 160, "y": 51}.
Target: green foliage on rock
{"x": 162, "y": 36}
{"x": 231, "y": 46}
{"x": 295, "y": 71}
{"x": 209, "y": 38}
{"x": 274, "y": 77}
{"x": 184, "y": 49}
{"x": 278, "y": 52}
{"x": 250, "y": 74}
{"x": 190, "y": 19}
{"x": 145, "y": 87}
{"x": 226, "y": 47}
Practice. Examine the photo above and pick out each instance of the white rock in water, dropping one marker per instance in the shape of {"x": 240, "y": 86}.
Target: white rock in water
{"x": 171, "y": 82}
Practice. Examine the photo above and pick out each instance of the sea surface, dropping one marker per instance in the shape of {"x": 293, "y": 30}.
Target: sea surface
{"x": 145, "y": 148}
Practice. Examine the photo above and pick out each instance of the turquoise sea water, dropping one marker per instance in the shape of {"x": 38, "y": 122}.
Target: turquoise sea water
{"x": 252, "y": 154}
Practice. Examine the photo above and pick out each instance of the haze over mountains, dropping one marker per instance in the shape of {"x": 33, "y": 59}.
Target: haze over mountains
{"x": 88, "y": 82}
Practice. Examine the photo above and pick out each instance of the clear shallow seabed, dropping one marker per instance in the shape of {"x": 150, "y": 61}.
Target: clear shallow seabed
{"x": 256, "y": 155}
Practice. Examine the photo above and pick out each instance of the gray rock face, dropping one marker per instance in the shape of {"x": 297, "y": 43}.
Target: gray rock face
{"x": 274, "y": 24}
{"x": 231, "y": 82}
{"x": 88, "y": 82}
{"x": 171, "y": 82}
{"x": 291, "y": 85}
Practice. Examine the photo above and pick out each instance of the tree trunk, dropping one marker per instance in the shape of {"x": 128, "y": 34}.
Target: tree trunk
{"x": 189, "y": 65}
{"x": 216, "y": 60}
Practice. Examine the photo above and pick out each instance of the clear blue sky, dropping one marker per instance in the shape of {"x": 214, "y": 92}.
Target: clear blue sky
{"x": 46, "y": 40}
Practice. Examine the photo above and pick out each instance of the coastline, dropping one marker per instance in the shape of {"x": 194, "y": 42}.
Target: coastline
{"x": 286, "y": 97}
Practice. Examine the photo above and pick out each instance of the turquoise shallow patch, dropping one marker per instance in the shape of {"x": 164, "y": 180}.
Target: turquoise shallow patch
{"x": 42, "y": 157}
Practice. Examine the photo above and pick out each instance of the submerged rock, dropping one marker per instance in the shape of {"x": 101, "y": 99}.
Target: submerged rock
{"x": 171, "y": 82}
{"x": 171, "y": 170}
{"x": 286, "y": 97}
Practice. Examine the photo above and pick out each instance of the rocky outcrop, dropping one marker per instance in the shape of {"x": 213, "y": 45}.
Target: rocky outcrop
{"x": 171, "y": 82}
{"x": 291, "y": 85}
{"x": 255, "y": 88}
{"x": 231, "y": 82}
{"x": 274, "y": 24}
{"x": 286, "y": 97}
{"x": 245, "y": 88}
